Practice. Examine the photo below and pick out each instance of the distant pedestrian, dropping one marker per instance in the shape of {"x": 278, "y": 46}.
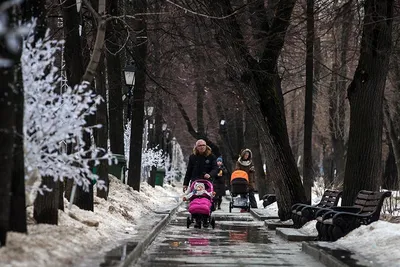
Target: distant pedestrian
{"x": 219, "y": 182}
{"x": 245, "y": 163}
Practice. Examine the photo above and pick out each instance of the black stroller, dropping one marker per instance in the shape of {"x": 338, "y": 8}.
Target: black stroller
{"x": 239, "y": 191}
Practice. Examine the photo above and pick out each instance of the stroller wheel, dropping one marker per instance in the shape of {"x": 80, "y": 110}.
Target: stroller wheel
{"x": 212, "y": 222}
{"x": 188, "y": 222}
{"x": 197, "y": 224}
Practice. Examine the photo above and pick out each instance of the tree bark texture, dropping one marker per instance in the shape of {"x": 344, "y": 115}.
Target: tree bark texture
{"x": 394, "y": 146}
{"x": 102, "y": 133}
{"x": 115, "y": 85}
{"x": 7, "y": 137}
{"x": 308, "y": 173}
{"x": 337, "y": 106}
{"x": 74, "y": 66}
{"x": 365, "y": 94}
{"x": 46, "y": 205}
{"x": 8, "y": 115}
{"x": 139, "y": 91}
{"x": 17, "y": 201}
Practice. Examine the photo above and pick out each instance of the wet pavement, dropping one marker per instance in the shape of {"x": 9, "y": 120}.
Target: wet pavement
{"x": 237, "y": 240}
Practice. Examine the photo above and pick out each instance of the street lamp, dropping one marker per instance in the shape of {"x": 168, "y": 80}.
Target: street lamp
{"x": 129, "y": 75}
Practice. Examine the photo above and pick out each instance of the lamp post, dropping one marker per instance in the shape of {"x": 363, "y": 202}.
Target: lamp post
{"x": 173, "y": 157}
{"x": 129, "y": 75}
{"x": 149, "y": 113}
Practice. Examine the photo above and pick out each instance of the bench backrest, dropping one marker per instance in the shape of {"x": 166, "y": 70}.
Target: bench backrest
{"x": 371, "y": 202}
{"x": 330, "y": 199}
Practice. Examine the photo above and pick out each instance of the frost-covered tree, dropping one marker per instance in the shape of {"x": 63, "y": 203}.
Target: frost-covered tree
{"x": 53, "y": 118}
{"x": 154, "y": 157}
{"x": 150, "y": 157}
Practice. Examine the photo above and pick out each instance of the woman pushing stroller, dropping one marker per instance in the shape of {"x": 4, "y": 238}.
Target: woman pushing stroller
{"x": 245, "y": 163}
{"x": 202, "y": 165}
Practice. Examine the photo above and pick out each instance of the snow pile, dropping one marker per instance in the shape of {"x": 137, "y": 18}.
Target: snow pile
{"x": 81, "y": 232}
{"x": 309, "y": 228}
{"x": 379, "y": 241}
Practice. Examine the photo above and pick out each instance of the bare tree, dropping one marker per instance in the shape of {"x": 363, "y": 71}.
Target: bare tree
{"x": 365, "y": 94}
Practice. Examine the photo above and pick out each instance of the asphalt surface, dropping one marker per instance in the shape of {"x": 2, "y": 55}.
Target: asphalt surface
{"x": 237, "y": 240}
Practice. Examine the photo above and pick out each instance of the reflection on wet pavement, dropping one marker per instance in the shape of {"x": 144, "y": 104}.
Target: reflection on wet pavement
{"x": 237, "y": 240}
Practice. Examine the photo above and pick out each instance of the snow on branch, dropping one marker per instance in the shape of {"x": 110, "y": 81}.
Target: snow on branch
{"x": 53, "y": 119}
{"x": 150, "y": 157}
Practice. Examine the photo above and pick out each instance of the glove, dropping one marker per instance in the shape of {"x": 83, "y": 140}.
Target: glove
{"x": 252, "y": 169}
{"x": 184, "y": 188}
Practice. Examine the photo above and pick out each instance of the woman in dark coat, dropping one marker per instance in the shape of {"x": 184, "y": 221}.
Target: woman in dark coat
{"x": 245, "y": 163}
{"x": 202, "y": 164}
{"x": 219, "y": 182}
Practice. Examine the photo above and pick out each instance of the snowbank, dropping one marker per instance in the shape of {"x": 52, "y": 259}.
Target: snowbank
{"x": 379, "y": 241}
{"x": 81, "y": 232}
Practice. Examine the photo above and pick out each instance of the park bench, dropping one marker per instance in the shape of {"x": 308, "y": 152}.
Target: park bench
{"x": 268, "y": 199}
{"x": 337, "y": 222}
{"x": 303, "y": 213}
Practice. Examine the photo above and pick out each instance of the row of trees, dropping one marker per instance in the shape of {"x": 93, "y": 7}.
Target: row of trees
{"x": 234, "y": 73}
{"x": 249, "y": 66}
{"x": 62, "y": 108}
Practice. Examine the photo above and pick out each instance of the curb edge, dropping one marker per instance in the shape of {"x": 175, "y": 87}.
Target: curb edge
{"x": 136, "y": 253}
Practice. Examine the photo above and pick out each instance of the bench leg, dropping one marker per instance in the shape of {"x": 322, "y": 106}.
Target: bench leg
{"x": 324, "y": 232}
{"x": 319, "y": 229}
{"x": 337, "y": 233}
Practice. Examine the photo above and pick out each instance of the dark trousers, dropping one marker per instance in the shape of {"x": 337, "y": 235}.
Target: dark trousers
{"x": 218, "y": 201}
{"x": 252, "y": 199}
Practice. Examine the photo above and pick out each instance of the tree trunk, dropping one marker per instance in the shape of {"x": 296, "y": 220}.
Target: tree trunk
{"x": 339, "y": 97}
{"x": 139, "y": 91}
{"x": 17, "y": 201}
{"x": 60, "y": 195}
{"x": 10, "y": 121}
{"x": 308, "y": 173}
{"x": 7, "y": 137}
{"x": 265, "y": 98}
{"x": 394, "y": 142}
{"x": 46, "y": 205}
{"x": 390, "y": 180}
{"x": 294, "y": 132}
{"x": 251, "y": 139}
{"x": 115, "y": 80}
{"x": 102, "y": 133}
{"x": 365, "y": 94}
{"x": 73, "y": 58}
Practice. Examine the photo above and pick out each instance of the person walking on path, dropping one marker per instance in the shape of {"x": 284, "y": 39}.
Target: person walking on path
{"x": 219, "y": 182}
{"x": 202, "y": 164}
{"x": 245, "y": 163}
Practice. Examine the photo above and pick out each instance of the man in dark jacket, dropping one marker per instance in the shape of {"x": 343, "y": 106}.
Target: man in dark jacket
{"x": 202, "y": 164}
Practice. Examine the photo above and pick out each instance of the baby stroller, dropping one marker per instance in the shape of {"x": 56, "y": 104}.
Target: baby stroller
{"x": 239, "y": 191}
{"x": 200, "y": 207}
